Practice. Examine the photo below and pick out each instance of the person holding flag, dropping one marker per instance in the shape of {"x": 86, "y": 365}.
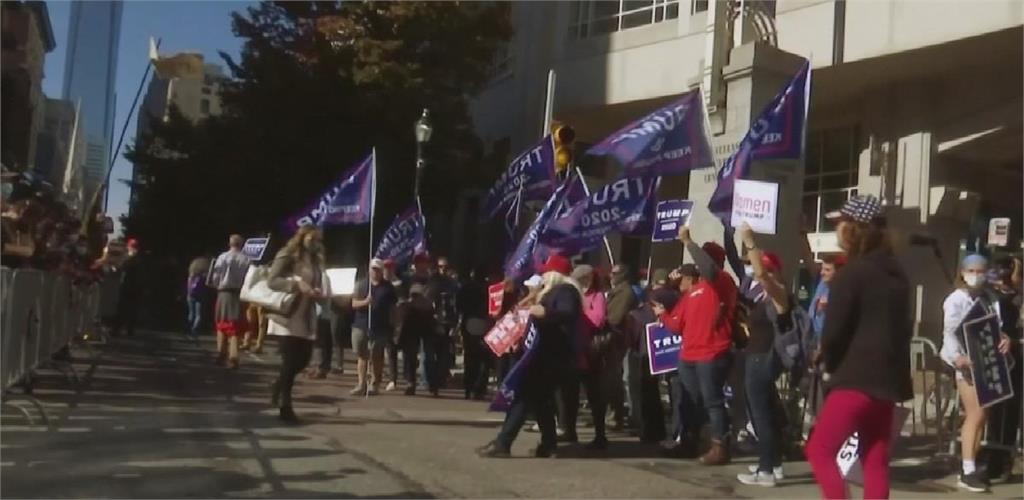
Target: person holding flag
{"x": 548, "y": 350}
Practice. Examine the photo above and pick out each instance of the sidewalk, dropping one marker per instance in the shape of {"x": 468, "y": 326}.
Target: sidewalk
{"x": 156, "y": 419}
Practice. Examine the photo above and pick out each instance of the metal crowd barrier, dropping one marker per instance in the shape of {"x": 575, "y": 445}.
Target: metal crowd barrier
{"x": 42, "y": 313}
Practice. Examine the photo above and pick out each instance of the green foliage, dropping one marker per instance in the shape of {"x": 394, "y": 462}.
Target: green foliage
{"x": 316, "y": 86}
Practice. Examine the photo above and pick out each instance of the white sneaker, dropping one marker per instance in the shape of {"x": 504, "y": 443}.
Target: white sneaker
{"x": 757, "y": 479}
{"x": 391, "y": 386}
{"x": 776, "y": 471}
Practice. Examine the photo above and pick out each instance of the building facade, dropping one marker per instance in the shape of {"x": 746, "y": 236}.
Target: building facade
{"x": 27, "y": 36}
{"x": 193, "y": 98}
{"x": 90, "y": 72}
{"x": 917, "y": 103}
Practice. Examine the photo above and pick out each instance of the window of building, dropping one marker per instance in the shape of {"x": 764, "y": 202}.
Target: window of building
{"x": 830, "y": 178}
{"x": 598, "y": 17}
{"x": 206, "y": 90}
{"x": 204, "y": 106}
{"x": 698, "y": 6}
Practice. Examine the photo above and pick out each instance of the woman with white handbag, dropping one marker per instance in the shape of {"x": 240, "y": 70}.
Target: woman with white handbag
{"x": 297, "y": 269}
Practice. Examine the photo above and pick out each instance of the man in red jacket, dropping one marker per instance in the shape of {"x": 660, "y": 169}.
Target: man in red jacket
{"x": 703, "y": 321}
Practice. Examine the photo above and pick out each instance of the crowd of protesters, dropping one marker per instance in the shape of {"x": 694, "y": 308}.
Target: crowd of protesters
{"x": 847, "y": 352}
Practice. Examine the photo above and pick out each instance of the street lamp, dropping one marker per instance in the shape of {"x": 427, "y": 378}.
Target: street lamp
{"x": 423, "y": 131}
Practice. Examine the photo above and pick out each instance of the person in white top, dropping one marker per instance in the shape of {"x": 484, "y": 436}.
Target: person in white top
{"x": 226, "y": 277}
{"x": 970, "y": 288}
{"x": 298, "y": 269}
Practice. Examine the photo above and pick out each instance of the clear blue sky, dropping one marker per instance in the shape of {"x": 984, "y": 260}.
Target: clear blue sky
{"x": 182, "y": 25}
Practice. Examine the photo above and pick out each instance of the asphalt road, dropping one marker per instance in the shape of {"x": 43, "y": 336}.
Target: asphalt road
{"x": 154, "y": 418}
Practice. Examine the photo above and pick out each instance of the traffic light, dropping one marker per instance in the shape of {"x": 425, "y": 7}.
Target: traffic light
{"x": 563, "y": 137}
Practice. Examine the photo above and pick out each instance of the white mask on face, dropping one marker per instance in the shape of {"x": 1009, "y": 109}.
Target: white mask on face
{"x": 974, "y": 280}
{"x": 748, "y": 270}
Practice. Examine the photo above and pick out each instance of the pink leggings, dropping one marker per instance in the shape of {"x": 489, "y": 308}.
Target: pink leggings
{"x": 847, "y": 411}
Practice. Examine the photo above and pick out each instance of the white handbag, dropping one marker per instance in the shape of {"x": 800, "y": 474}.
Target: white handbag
{"x": 255, "y": 290}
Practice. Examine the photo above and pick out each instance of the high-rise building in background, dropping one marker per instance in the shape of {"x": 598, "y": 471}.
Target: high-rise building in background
{"x": 27, "y": 37}
{"x": 194, "y": 98}
{"x": 90, "y": 72}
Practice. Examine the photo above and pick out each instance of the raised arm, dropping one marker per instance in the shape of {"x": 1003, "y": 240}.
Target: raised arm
{"x": 775, "y": 290}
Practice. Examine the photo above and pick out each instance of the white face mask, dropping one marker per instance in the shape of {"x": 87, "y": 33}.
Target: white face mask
{"x": 974, "y": 280}
{"x": 748, "y": 270}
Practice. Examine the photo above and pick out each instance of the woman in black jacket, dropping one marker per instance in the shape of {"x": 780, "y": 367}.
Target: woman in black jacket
{"x": 865, "y": 348}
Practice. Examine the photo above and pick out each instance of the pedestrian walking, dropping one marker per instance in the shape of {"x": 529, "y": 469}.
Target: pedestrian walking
{"x": 623, "y": 299}
{"x": 297, "y": 269}
{"x": 255, "y": 329}
{"x": 865, "y": 348}
{"x": 473, "y": 325}
{"x": 556, "y": 317}
{"x": 227, "y": 277}
{"x": 971, "y": 289}
{"x": 373, "y": 302}
{"x": 130, "y": 290}
{"x": 196, "y": 293}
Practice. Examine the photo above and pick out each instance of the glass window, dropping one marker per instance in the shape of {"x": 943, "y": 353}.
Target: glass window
{"x": 699, "y": 6}
{"x": 830, "y": 178}
{"x": 595, "y": 17}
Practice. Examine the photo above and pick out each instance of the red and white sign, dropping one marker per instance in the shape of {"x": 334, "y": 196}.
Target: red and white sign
{"x": 508, "y": 331}
{"x": 495, "y": 295}
{"x": 757, "y": 204}
{"x": 999, "y": 232}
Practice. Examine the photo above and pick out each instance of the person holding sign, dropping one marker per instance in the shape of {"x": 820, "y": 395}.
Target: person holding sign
{"x": 970, "y": 290}
{"x": 865, "y": 348}
{"x": 770, "y": 311}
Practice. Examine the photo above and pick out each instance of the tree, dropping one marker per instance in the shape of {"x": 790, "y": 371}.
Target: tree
{"x": 316, "y": 86}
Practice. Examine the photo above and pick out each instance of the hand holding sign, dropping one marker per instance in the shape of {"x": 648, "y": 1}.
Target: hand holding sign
{"x": 747, "y": 235}
{"x": 756, "y": 203}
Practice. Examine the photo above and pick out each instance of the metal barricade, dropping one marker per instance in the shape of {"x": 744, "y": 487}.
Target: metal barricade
{"x": 21, "y": 332}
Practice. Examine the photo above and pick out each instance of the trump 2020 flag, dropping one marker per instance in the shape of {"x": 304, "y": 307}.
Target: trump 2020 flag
{"x": 403, "y": 239}
{"x": 526, "y": 254}
{"x": 670, "y": 141}
{"x": 626, "y": 205}
{"x": 348, "y": 201}
{"x": 529, "y": 177}
{"x": 778, "y": 133}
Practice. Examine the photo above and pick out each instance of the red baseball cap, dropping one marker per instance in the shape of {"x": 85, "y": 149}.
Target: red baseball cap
{"x": 421, "y": 258}
{"x": 557, "y": 263}
{"x": 771, "y": 262}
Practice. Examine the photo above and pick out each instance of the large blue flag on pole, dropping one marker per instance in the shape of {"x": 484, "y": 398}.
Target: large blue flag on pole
{"x": 348, "y": 201}
{"x": 670, "y": 141}
{"x": 778, "y": 133}
{"x": 626, "y": 205}
{"x": 404, "y": 238}
{"x": 528, "y": 252}
{"x": 530, "y": 177}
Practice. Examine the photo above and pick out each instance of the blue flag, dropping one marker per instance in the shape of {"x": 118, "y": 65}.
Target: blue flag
{"x": 348, "y": 201}
{"x": 524, "y": 258}
{"x": 778, "y": 133}
{"x": 670, "y": 141}
{"x": 510, "y": 386}
{"x": 530, "y": 177}
{"x": 626, "y": 205}
{"x": 403, "y": 239}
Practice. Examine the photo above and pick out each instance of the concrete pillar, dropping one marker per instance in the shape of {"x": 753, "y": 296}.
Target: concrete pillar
{"x": 755, "y": 75}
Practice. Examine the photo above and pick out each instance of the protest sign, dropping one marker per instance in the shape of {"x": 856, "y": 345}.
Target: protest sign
{"x": 670, "y": 216}
{"x": 254, "y": 248}
{"x": 507, "y": 331}
{"x": 757, "y": 204}
{"x": 495, "y": 296}
{"x": 848, "y": 458}
{"x": 999, "y": 232}
{"x": 342, "y": 280}
{"x": 663, "y": 348}
{"x": 990, "y": 371}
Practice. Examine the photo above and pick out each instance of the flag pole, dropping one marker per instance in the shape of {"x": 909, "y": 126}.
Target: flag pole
{"x": 586, "y": 189}
{"x": 373, "y": 210}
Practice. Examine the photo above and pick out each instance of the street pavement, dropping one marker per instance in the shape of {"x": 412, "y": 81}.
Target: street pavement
{"x": 153, "y": 417}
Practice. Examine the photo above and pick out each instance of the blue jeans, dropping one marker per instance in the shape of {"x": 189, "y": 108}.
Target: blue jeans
{"x": 759, "y": 376}
{"x": 195, "y": 316}
{"x": 702, "y": 382}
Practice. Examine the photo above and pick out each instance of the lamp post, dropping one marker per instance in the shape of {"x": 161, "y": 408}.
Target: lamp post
{"x": 423, "y": 131}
